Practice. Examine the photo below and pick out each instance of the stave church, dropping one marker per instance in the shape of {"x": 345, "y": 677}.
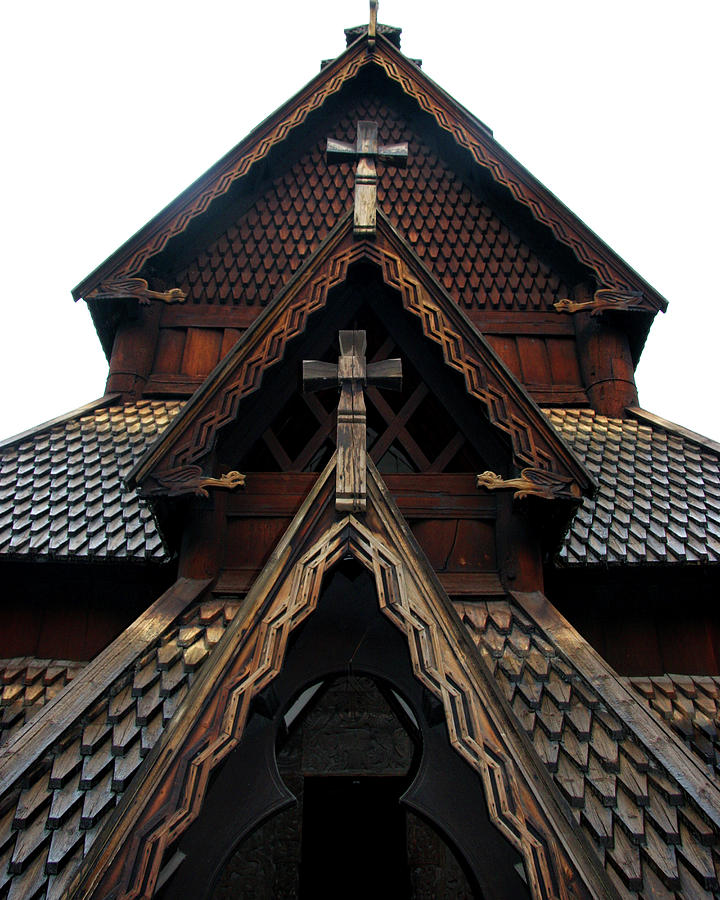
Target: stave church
{"x": 368, "y": 574}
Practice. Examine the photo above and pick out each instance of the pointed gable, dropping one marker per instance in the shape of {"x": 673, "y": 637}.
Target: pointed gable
{"x": 192, "y": 215}
{"x": 503, "y": 401}
{"x": 480, "y": 261}
{"x": 521, "y": 800}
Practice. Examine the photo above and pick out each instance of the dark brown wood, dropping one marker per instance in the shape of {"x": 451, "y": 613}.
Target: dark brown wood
{"x": 605, "y": 362}
{"x": 671, "y": 752}
{"x": 127, "y": 855}
{"x": 202, "y": 351}
{"x": 351, "y": 375}
{"x": 68, "y": 705}
{"x": 365, "y": 152}
{"x": 211, "y": 316}
{"x": 133, "y": 350}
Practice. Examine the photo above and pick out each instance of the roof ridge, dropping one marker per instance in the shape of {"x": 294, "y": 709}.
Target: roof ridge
{"x": 643, "y": 415}
{"x": 105, "y": 400}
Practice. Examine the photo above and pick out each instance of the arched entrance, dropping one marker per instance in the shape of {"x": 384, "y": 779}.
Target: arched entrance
{"x": 348, "y": 646}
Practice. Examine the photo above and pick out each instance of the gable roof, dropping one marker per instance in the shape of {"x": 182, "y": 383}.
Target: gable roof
{"x": 658, "y": 497}
{"x": 504, "y": 401}
{"x": 638, "y": 515}
{"x": 520, "y": 797}
{"x": 603, "y": 765}
{"x": 468, "y": 133}
{"x": 62, "y": 491}
{"x": 650, "y": 809}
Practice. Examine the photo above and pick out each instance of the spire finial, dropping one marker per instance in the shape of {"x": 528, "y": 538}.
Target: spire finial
{"x": 372, "y": 27}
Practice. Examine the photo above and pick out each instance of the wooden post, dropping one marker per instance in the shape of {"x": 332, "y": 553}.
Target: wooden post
{"x": 351, "y": 375}
{"x": 605, "y": 361}
{"x": 366, "y": 151}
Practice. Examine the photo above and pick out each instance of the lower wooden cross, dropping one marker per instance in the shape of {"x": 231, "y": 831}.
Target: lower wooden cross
{"x": 351, "y": 375}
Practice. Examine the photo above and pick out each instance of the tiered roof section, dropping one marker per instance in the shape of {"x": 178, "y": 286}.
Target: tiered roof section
{"x": 658, "y": 497}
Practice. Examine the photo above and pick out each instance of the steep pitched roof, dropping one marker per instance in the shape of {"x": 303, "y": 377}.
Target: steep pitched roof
{"x": 603, "y": 765}
{"x": 503, "y": 400}
{"x": 62, "y": 492}
{"x": 658, "y": 497}
{"x": 524, "y": 805}
{"x": 640, "y": 513}
{"x": 650, "y": 809}
{"x": 467, "y": 132}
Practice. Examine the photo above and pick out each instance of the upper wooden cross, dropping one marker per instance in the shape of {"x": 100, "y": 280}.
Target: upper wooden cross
{"x": 351, "y": 375}
{"x": 366, "y": 151}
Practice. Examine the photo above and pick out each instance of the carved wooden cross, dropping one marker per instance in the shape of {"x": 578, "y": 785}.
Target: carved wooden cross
{"x": 366, "y": 151}
{"x": 351, "y": 374}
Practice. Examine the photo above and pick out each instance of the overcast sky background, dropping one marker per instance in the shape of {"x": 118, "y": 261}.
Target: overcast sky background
{"x": 110, "y": 110}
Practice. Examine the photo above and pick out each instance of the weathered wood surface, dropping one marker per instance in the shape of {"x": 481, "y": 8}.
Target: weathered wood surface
{"x": 67, "y": 706}
{"x": 366, "y": 151}
{"x": 169, "y": 791}
{"x": 437, "y": 496}
{"x": 606, "y": 363}
{"x": 351, "y": 375}
{"x": 649, "y": 729}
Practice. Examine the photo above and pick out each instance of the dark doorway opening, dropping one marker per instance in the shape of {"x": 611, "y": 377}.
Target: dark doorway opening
{"x": 353, "y": 842}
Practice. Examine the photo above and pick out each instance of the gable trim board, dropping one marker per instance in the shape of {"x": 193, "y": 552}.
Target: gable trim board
{"x": 469, "y": 134}
{"x": 20, "y": 753}
{"x": 649, "y": 729}
{"x": 168, "y": 792}
{"x": 216, "y": 403}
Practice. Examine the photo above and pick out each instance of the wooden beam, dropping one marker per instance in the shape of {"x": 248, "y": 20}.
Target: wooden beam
{"x": 66, "y": 707}
{"x": 648, "y": 728}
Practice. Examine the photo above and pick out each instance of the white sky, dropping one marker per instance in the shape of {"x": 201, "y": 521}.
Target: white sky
{"x": 110, "y": 110}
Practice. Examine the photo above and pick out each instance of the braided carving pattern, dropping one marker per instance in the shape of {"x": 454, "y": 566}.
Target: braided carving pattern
{"x": 472, "y": 732}
{"x": 291, "y": 321}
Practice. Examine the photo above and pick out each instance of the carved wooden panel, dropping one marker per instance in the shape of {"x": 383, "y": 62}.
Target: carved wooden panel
{"x": 171, "y": 792}
{"x": 467, "y": 133}
{"x": 532, "y": 440}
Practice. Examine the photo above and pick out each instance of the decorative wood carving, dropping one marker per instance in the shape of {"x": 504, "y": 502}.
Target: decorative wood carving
{"x": 351, "y": 375}
{"x": 366, "y": 151}
{"x": 168, "y": 794}
{"x": 467, "y": 132}
{"x": 372, "y": 26}
{"x": 533, "y": 440}
{"x": 137, "y": 288}
{"x": 192, "y": 480}
{"x": 532, "y": 483}
{"x": 604, "y": 300}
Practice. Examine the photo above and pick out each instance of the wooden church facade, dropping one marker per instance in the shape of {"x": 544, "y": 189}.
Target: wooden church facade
{"x": 368, "y": 570}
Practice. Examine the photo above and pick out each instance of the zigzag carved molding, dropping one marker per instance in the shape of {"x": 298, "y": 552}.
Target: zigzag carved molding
{"x": 132, "y": 866}
{"x": 431, "y": 101}
{"x": 530, "y": 448}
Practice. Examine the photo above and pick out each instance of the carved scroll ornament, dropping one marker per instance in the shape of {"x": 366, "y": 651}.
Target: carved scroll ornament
{"x": 192, "y": 480}
{"x": 604, "y": 300}
{"x": 137, "y": 288}
{"x": 532, "y": 483}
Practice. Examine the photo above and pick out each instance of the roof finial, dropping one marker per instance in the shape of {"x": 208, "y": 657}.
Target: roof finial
{"x": 372, "y": 27}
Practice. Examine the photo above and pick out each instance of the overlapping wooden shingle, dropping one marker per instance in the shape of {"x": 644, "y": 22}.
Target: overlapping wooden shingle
{"x": 650, "y": 834}
{"x": 49, "y": 819}
{"x": 62, "y": 493}
{"x": 690, "y": 704}
{"x": 26, "y": 684}
{"x": 469, "y": 249}
{"x": 658, "y": 498}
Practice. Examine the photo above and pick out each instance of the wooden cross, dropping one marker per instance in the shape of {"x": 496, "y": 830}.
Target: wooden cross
{"x": 351, "y": 375}
{"x": 366, "y": 151}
